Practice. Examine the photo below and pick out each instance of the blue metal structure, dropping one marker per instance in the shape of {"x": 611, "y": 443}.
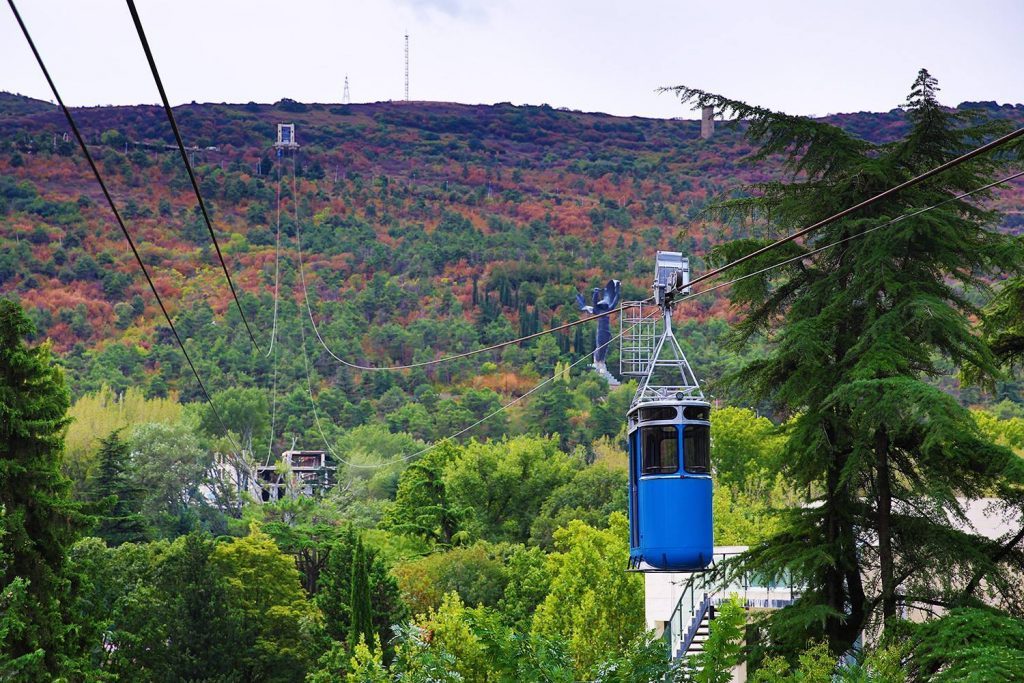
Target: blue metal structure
{"x": 669, "y": 448}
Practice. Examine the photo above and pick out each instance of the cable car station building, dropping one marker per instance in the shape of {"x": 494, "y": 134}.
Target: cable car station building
{"x": 296, "y": 473}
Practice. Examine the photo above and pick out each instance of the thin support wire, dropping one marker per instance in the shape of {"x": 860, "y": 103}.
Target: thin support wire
{"x": 867, "y": 202}
{"x": 273, "y": 332}
{"x": 818, "y": 250}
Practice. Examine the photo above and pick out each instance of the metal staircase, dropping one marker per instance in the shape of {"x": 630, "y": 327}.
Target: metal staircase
{"x": 699, "y": 630}
{"x": 690, "y": 625}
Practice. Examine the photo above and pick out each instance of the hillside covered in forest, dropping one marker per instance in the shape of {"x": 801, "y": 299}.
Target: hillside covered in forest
{"x": 427, "y": 228}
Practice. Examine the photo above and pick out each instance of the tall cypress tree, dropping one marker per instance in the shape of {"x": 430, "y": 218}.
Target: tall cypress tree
{"x": 334, "y": 586}
{"x": 856, "y": 335}
{"x": 338, "y": 600}
{"x": 40, "y": 521}
{"x": 361, "y": 622}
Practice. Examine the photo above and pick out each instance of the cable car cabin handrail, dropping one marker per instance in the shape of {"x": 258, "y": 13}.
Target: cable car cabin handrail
{"x": 670, "y": 411}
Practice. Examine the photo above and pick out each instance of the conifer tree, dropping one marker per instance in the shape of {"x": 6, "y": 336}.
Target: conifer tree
{"x": 360, "y": 624}
{"x": 422, "y": 505}
{"x": 337, "y": 599}
{"x": 121, "y": 520}
{"x": 1004, "y": 322}
{"x": 856, "y": 333}
{"x": 40, "y": 521}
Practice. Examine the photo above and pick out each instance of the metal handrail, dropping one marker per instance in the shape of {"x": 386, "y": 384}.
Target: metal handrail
{"x": 698, "y": 617}
{"x": 684, "y": 622}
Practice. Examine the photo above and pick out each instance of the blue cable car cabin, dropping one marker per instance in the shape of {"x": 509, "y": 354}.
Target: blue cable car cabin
{"x": 670, "y": 485}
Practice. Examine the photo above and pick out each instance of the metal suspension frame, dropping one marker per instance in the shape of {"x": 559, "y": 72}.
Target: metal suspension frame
{"x": 668, "y": 355}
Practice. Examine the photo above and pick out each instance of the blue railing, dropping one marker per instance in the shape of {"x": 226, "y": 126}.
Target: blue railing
{"x": 695, "y": 622}
{"x": 694, "y": 595}
{"x": 698, "y": 596}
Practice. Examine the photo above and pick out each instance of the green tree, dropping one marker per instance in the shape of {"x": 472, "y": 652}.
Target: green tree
{"x": 643, "y": 660}
{"x": 178, "y": 622}
{"x": 244, "y": 411}
{"x": 423, "y": 506}
{"x": 40, "y": 522}
{"x": 339, "y": 591}
{"x": 121, "y": 520}
{"x": 15, "y": 604}
{"x": 205, "y": 638}
{"x": 360, "y": 626}
{"x": 591, "y": 495}
{"x": 168, "y": 463}
{"x": 856, "y": 332}
{"x": 1007, "y": 432}
{"x": 592, "y": 603}
{"x": 816, "y": 664}
{"x": 483, "y": 402}
{"x": 365, "y": 664}
{"x": 549, "y": 412}
{"x": 1004, "y": 323}
{"x": 263, "y": 589}
{"x": 99, "y": 413}
{"x": 502, "y": 484}
{"x": 529, "y": 581}
{"x": 477, "y": 573}
{"x": 740, "y": 519}
{"x": 118, "y": 593}
{"x": 306, "y": 528}
{"x": 723, "y": 647}
{"x": 745, "y": 449}
{"x": 450, "y": 628}
{"x": 967, "y": 644}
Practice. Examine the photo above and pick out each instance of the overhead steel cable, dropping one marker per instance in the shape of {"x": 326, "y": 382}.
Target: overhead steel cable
{"x": 277, "y": 267}
{"x": 188, "y": 165}
{"x": 435, "y": 444}
{"x": 273, "y": 332}
{"x": 854, "y": 236}
{"x": 687, "y": 297}
{"x": 867, "y": 202}
{"x": 409, "y": 366}
{"x": 117, "y": 215}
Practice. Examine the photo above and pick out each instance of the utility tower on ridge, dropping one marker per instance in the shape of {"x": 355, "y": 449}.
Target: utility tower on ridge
{"x": 707, "y": 122}
{"x": 406, "y": 66}
{"x": 345, "y": 97}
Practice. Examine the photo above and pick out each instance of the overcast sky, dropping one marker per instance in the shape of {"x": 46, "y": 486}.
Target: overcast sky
{"x": 803, "y": 57}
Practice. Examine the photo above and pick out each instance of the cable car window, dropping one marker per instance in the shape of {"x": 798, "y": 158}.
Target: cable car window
{"x": 660, "y": 449}
{"x": 696, "y": 412}
{"x": 697, "y": 449}
{"x": 658, "y": 413}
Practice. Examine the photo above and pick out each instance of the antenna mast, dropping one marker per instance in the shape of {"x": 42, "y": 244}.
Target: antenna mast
{"x": 406, "y": 66}
{"x": 345, "y": 97}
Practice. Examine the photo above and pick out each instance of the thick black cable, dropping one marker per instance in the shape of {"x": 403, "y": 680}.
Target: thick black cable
{"x": 117, "y": 214}
{"x": 710, "y": 274}
{"x": 830, "y": 245}
{"x": 867, "y": 202}
{"x": 188, "y": 164}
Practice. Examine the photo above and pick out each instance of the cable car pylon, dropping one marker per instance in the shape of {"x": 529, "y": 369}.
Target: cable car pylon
{"x": 670, "y": 525}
